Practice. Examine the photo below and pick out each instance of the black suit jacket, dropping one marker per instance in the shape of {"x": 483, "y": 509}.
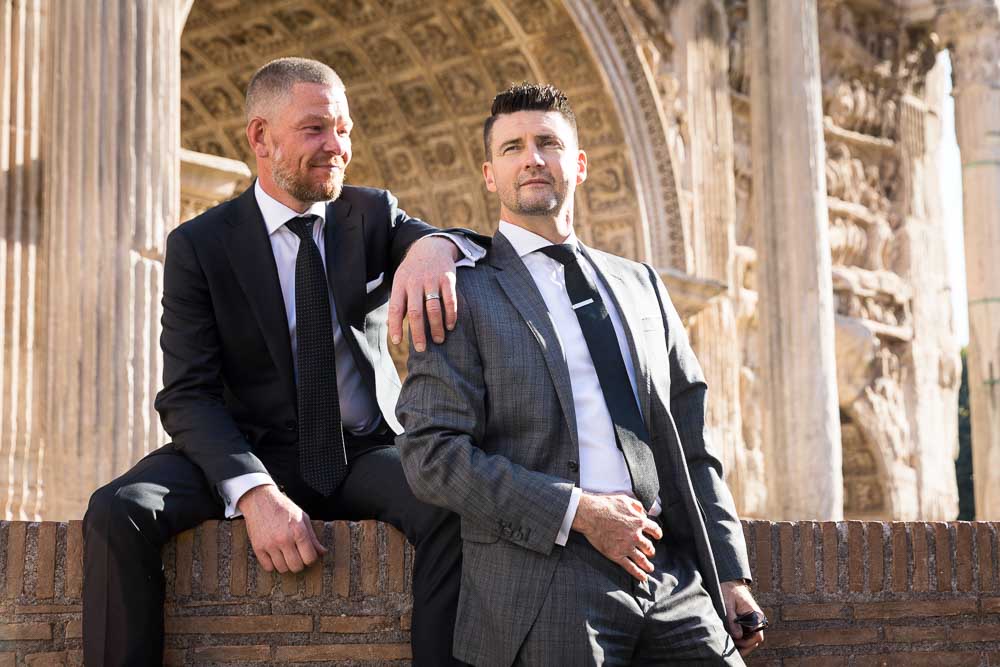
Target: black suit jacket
{"x": 228, "y": 399}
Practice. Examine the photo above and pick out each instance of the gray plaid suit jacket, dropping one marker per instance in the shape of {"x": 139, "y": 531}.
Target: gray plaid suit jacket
{"x": 490, "y": 433}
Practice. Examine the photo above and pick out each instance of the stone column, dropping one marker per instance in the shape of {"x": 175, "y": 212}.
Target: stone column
{"x": 973, "y": 34}
{"x": 111, "y": 195}
{"x": 802, "y": 427}
{"x": 22, "y": 265}
{"x": 704, "y": 56}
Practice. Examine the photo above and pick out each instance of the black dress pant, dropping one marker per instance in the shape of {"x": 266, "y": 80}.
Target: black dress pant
{"x": 129, "y": 520}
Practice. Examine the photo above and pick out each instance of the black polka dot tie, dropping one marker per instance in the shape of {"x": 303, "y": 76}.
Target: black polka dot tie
{"x": 322, "y": 456}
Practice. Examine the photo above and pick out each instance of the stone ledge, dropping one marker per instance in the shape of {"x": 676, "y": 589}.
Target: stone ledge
{"x": 847, "y": 593}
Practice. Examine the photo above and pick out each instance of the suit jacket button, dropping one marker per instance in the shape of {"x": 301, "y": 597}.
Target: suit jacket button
{"x": 290, "y": 425}
{"x": 573, "y": 466}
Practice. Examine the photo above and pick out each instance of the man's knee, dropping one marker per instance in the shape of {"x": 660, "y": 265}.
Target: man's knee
{"x": 117, "y": 507}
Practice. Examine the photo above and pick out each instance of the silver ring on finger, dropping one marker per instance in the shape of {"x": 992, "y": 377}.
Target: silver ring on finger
{"x": 430, "y": 296}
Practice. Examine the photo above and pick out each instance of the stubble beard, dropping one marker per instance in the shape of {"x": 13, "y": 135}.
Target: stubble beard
{"x": 548, "y": 204}
{"x": 295, "y": 184}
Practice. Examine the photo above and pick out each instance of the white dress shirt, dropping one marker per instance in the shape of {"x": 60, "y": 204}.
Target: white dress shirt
{"x": 602, "y": 464}
{"x": 359, "y": 412}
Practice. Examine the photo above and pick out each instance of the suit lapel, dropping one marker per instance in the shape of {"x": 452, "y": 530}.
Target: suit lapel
{"x": 517, "y": 283}
{"x": 623, "y": 296}
{"x": 345, "y": 262}
{"x": 252, "y": 259}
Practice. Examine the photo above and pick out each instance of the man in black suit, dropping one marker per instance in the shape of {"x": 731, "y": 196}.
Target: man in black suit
{"x": 279, "y": 391}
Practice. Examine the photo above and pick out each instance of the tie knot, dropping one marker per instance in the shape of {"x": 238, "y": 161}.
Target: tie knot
{"x": 302, "y": 226}
{"x": 563, "y": 253}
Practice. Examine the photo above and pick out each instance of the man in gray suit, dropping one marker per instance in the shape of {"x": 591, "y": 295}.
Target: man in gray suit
{"x": 564, "y": 421}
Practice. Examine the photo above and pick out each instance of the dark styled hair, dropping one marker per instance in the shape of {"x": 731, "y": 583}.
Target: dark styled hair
{"x": 275, "y": 80}
{"x": 526, "y": 96}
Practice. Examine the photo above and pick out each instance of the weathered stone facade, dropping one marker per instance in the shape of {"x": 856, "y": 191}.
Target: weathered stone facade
{"x": 803, "y": 243}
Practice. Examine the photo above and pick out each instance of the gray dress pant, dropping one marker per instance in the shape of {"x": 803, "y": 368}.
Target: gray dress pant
{"x": 597, "y": 614}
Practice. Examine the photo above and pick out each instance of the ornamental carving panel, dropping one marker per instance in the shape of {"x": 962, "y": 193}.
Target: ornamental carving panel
{"x": 420, "y": 77}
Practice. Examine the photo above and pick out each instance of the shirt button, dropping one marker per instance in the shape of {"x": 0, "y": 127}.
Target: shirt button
{"x": 290, "y": 425}
{"x": 573, "y": 465}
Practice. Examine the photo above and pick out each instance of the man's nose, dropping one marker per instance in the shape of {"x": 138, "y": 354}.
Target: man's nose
{"x": 335, "y": 143}
{"x": 533, "y": 157}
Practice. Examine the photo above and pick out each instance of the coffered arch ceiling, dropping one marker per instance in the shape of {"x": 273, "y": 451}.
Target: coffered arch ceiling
{"x": 420, "y": 76}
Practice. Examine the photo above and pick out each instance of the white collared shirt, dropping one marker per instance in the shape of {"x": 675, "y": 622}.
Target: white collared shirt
{"x": 602, "y": 464}
{"x": 359, "y": 411}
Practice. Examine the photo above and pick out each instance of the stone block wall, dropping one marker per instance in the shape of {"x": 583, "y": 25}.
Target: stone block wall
{"x": 848, "y": 593}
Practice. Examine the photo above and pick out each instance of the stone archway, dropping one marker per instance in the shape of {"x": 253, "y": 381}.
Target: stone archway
{"x": 420, "y": 77}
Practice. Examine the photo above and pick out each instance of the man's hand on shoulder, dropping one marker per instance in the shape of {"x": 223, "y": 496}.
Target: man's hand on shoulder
{"x": 428, "y": 268}
{"x": 739, "y": 600}
{"x": 280, "y": 532}
{"x": 617, "y": 526}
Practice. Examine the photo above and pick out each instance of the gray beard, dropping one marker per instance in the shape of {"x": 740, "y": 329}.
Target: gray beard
{"x": 289, "y": 182}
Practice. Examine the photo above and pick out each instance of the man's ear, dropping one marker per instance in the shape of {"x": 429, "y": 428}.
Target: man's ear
{"x": 581, "y": 167}
{"x": 491, "y": 183}
{"x": 257, "y": 137}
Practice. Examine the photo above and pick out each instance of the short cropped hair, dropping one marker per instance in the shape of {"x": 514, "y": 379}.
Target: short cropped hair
{"x": 526, "y": 96}
{"x": 275, "y": 80}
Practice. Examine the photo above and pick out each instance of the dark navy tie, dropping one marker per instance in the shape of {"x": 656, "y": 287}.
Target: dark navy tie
{"x": 322, "y": 457}
{"x": 602, "y": 341}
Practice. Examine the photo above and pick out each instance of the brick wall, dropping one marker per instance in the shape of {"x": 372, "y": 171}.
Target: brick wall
{"x": 848, "y": 593}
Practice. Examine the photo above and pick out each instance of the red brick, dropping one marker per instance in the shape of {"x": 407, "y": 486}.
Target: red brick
{"x": 942, "y": 556}
{"x": 290, "y": 583}
{"x": 965, "y": 555}
{"x": 73, "y": 587}
{"x": 807, "y": 543}
{"x": 174, "y": 657}
{"x": 814, "y": 612}
{"x": 332, "y": 652}
{"x": 920, "y": 659}
{"x": 786, "y": 557}
{"x": 74, "y": 628}
{"x": 238, "y": 558}
{"x": 48, "y": 609}
{"x": 257, "y": 653}
{"x": 820, "y": 637}
{"x": 313, "y": 576}
{"x": 984, "y": 547}
{"x": 21, "y": 631}
{"x": 876, "y": 556}
{"x": 915, "y": 609}
{"x": 208, "y": 550}
{"x": 341, "y": 559}
{"x": 8, "y": 659}
{"x": 899, "y": 558}
{"x": 762, "y": 540}
{"x": 265, "y": 580}
{"x": 830, "y": 557}
{"x": 184, "y": 562}
{"x": 45, "y": 563}
{"x": 14, "y": 572}
{"x": 356, "y": 624}
{"x": 406, "y": 622}
{"x": 815, "y": 661}
{"x": 991, "y": 605}
{"x": 964, "y": 634}
{"x": 855, "y": 556}
{"x": 47, "y": 659}
{"x": 921, "y": 561}
{"x": 396, "y": 560}
{"x": 369, "y": 557}
{"x": 909, "y": 634}
{"x": 231, "y": 625}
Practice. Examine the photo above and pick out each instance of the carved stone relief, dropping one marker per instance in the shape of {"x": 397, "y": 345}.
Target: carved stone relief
{"x": 420, "y": 77}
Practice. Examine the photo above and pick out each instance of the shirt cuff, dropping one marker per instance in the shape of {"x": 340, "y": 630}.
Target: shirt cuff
{"x": 472, "y": 252}
{"x": 567, "y": 524}
{"x": 232, "y": 490}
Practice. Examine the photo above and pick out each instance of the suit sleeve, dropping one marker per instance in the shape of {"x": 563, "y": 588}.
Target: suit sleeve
{"x": 404, "y": 231}
{"x": 191, "y": 404}
{"x": 688, "y": 393}
{"x": 444, "y": 411}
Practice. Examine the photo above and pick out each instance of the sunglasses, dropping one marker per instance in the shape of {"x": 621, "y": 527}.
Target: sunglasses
{"x": 752, "y": 621}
